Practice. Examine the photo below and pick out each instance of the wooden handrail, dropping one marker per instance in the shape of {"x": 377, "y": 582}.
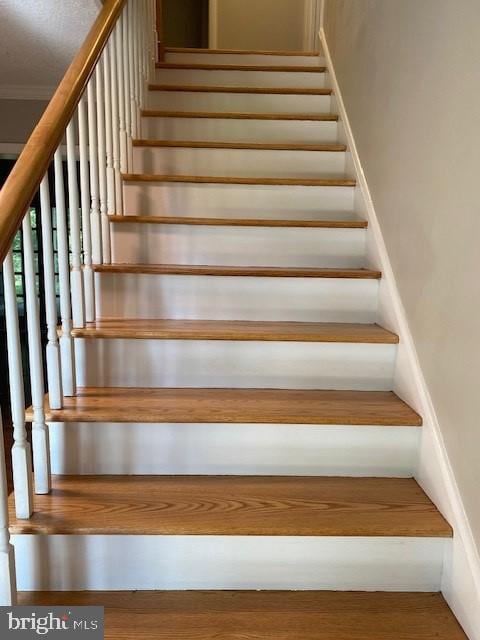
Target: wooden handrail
{"x": 25, "y": 177}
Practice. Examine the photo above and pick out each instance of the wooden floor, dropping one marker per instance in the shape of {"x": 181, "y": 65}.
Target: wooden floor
{"x": 259, "y": 146}
{"x": 292, "y": 182}
{"x": 354, "y": 223}
{"x": 237, "y": 330}
{"x": 233, "y": 505}
{"x": 239, "y": 115}
{"x": 265, "y": 615}
{"x": 233, "y": 406}
{"x": 254, "y": 272}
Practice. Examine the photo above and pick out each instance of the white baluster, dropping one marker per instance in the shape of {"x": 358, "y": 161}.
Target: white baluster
{"x": 55, "y": 391}
{"x": 143, "y": 52}
{"x": 136, "y": 66}
{"x": 156, "y": 34}
{"x": 95, "y": 224}
{"x": 153, "y": 39}
{"x": 88, "y": 275}
{"x": 67, "y": 356}
{"x": 40, "y": 441}
{"x": 107, "y": 65}
{"x": 131, "y": 70}
{"x": 76, "y": 275}
{"x": 21, "y": 451}
{"x": 115, "y": 125}
{"x": 121, "y": 98}
{"x": 102, "y": 165}
{"x": 126, "y": 80}
{"x": 8, "y": 585}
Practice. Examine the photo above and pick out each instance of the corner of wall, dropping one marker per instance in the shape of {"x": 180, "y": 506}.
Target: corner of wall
{"x": 461, "y": 574}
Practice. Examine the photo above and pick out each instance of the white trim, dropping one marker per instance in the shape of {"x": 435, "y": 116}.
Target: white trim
{"x": 244, "y": 449}
{"x": 461, "y": 578}
{"x": 26, "y": 92}
{"x": 149, "y": 562}
{"x": 212, "y": 24}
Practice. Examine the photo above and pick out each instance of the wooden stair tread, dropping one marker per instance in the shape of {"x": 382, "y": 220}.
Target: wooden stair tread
{"x": 238, "y": 330}
{"x": 206, "y": 88}
{"x": 198, "y": 66}
{"x": 239, "y": 115}
{"x": 248, "y": 52}
{"x": 240, "y": 222}
{"x": 292, "y": 182}
{"x": 233, "y": 505}
{"x": 233, "y": 406}
{"x": 259, "y": 272}
{"x": 263, "y": 615}
{"x": 261, "y": 146}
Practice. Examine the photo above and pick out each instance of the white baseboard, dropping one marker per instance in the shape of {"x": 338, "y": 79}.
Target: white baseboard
{"x": 461, "y": 575}
{"x": 123, "y": 562}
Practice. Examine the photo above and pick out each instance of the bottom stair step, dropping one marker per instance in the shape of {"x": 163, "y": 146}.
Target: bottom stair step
{"x": 264, "y": 615}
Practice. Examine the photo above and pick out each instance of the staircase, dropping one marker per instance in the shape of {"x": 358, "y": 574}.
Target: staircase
{"x": 234, "y": 428}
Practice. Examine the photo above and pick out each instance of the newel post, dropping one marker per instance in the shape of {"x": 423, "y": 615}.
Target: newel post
{"x": 8, "y": 585}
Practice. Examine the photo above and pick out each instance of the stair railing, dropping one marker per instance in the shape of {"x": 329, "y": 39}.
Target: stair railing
{"x": 90, "y": 123}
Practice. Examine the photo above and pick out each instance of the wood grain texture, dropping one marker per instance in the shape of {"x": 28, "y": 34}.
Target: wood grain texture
{"x": 233, "y": 505}
{"x": 240, "y": 67}
{"x": 206, "y": 88}
{"x": 247, "y": 52}
{"x": 240, "y": 115}
{"x": 259, "y": 146}
{"x": 234, "y": 406}
{"x": 258, "y": 272}
{"x": 30, "y": 168}
{"x": 240, "y": 222}
{"x": 285, "y": 182}
{"x": 264, "y": 615}
{"x": 237, "y": 330}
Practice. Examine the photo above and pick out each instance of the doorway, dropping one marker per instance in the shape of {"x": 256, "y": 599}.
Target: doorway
{"x": 186, "y": 23}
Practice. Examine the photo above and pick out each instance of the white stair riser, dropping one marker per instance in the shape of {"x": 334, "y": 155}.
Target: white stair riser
{"x": 240, "y": 130}
{"x": 245, "y": 59}
{"x": 223, "y": 363}
{"x": 223, "y": 245}
{"x": 236, "y": 298}
{"x": 255, "y": 103}
{"x": 233, "y": 449}
{"x": 239, "y": 162}
{"x": 236, "y": 200}
{"x": 234, "y": 78}
{"x": 122, "y": 562}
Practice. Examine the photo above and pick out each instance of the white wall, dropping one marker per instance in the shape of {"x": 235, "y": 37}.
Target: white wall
{"x": 38, "y": 39}
{"x": 409, "y": 75}
{"x": 260, "y": 24}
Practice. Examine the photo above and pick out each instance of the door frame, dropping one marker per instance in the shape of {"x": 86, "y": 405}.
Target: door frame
{"x": 212, "y": 24}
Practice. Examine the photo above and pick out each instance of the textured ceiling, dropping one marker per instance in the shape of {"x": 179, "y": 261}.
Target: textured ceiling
{"x": 38, "y": 39}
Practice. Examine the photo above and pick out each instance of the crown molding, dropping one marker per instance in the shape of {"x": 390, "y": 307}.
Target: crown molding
{"x": 26, "y": 92}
